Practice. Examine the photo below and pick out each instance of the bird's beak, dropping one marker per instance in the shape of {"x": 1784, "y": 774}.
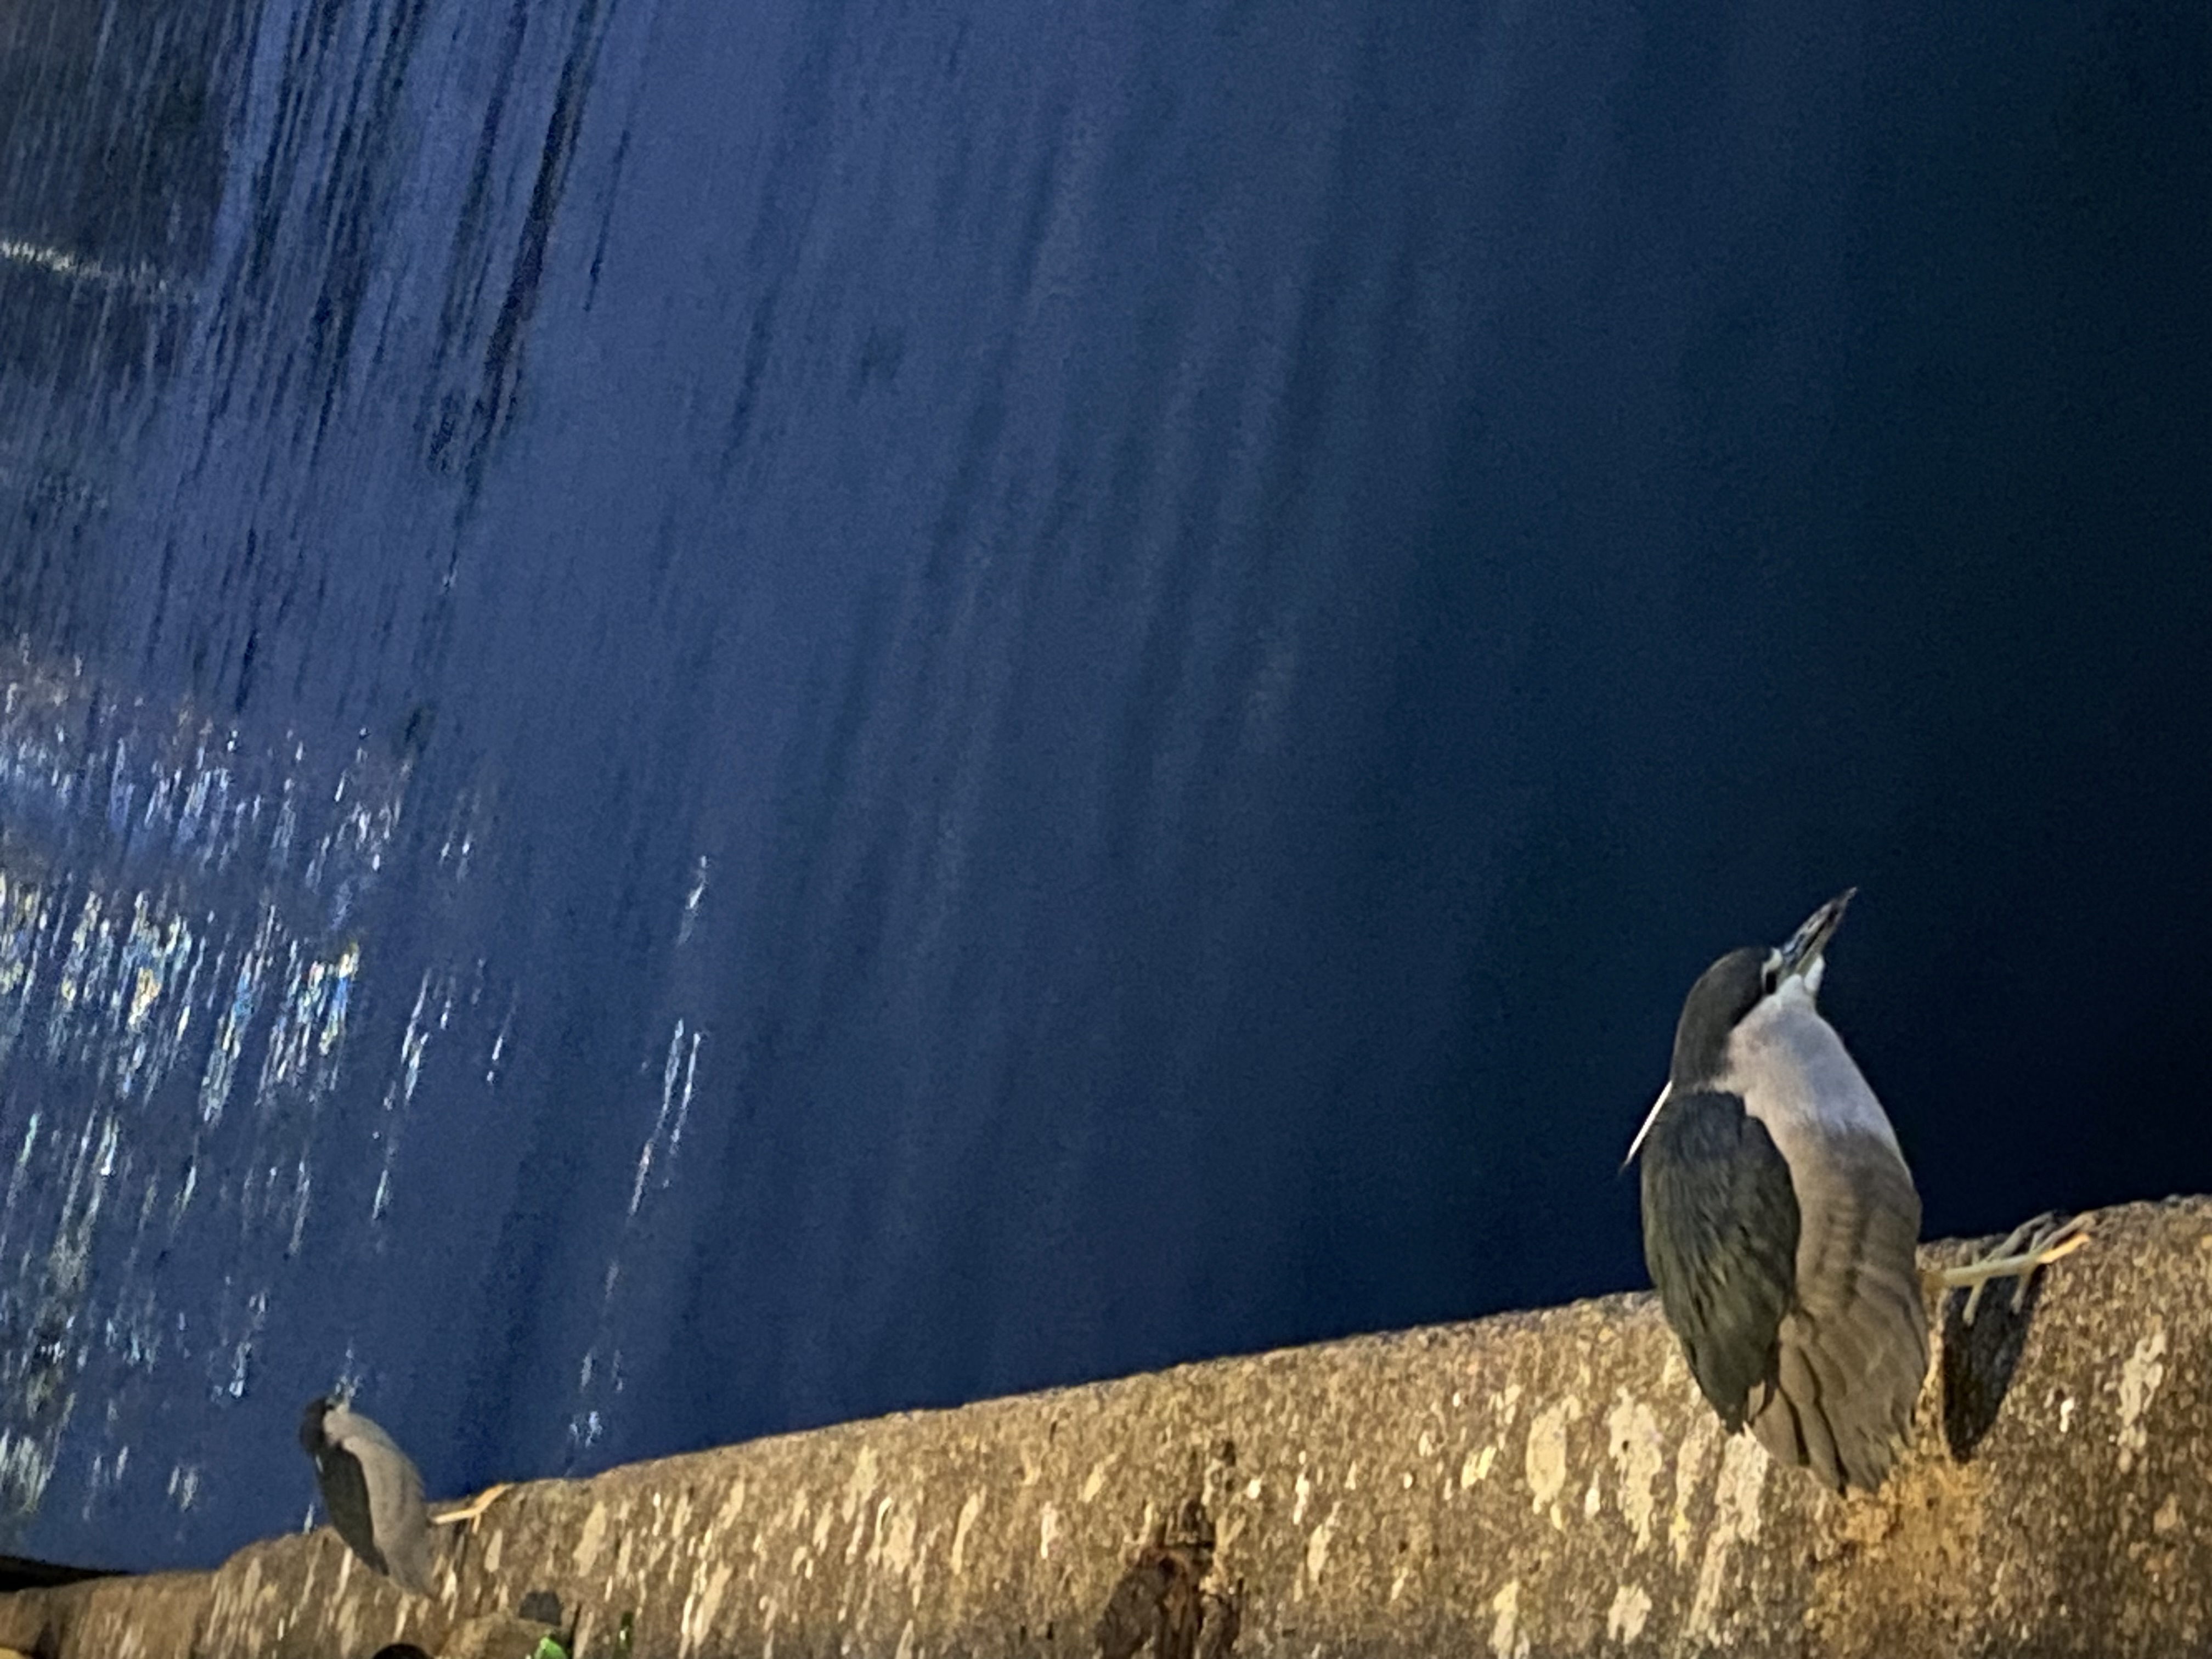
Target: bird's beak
{"x": 1649, "y": 1118}
{"x": 1806, "y": 944}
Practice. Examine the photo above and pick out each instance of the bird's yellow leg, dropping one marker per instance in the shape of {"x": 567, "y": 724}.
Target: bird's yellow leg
{"x": 473, "y": 1512}
{"x": 2034, "y": 1244}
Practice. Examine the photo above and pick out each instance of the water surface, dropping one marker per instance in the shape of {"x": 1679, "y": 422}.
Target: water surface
{"x": 718, "y": 717}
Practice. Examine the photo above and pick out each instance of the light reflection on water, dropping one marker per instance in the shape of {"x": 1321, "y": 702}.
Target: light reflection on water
{"x": 177, "y": 971}
{"x": 189, "y": 928}
{"x": 265, "y": 1076}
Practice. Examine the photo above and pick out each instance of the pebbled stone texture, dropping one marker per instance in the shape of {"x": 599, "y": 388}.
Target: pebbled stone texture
{"x": 1535, "y": 1483}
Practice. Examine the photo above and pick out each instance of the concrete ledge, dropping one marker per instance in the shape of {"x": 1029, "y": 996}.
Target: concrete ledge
{"x": 1535, "y": 1483}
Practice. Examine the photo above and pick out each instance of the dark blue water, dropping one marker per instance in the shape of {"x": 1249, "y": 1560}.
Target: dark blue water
{"x": 720, "y": 717}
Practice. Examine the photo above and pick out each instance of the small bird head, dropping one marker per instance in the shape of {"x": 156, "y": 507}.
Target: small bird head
{"x": 1729, "y": 990}
{"x": 312, "y": 1438}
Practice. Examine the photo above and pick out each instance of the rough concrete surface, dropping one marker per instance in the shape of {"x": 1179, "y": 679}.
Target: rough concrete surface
{"x": 1535, "y": 1484}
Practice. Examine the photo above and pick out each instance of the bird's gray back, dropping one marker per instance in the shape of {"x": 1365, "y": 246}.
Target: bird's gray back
{"x": 1853, "y": 1351}
{"x": 392, "y": 1493}
{"x": 1720, "y": 1235}
{"x": 339, "y": 1477}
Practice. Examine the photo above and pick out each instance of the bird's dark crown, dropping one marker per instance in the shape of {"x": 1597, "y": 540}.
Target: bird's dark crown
{"x": 311, "y": 1424}
{"x": 1723, "y": 994}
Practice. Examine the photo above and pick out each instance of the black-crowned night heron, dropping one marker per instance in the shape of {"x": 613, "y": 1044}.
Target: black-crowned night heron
{"x": 375, "y": 1494}
{"x": 372, "y": 1490}
{"x": 1780, "y": 1221}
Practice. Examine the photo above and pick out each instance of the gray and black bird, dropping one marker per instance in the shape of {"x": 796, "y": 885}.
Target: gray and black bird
{"x": 1780, "y": 1220}
{"x": 372, "y": 1490}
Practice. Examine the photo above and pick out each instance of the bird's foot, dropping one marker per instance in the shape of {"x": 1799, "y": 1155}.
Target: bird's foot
{"x": 473, "y": 1512}
{"x": 2032, "y": 1244}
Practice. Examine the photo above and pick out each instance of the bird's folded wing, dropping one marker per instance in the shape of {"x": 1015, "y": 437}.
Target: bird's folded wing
{"x": 1853, "y": 1351}
{"x": 395, "y": 1505}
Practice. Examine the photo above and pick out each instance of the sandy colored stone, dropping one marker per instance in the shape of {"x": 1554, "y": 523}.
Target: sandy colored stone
{"x": 1533, "y": 1484}
{"x": 493, "y": 1636}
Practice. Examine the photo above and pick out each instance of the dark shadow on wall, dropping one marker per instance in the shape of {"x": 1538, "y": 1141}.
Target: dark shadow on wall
{"x": 18, "y": 1573}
